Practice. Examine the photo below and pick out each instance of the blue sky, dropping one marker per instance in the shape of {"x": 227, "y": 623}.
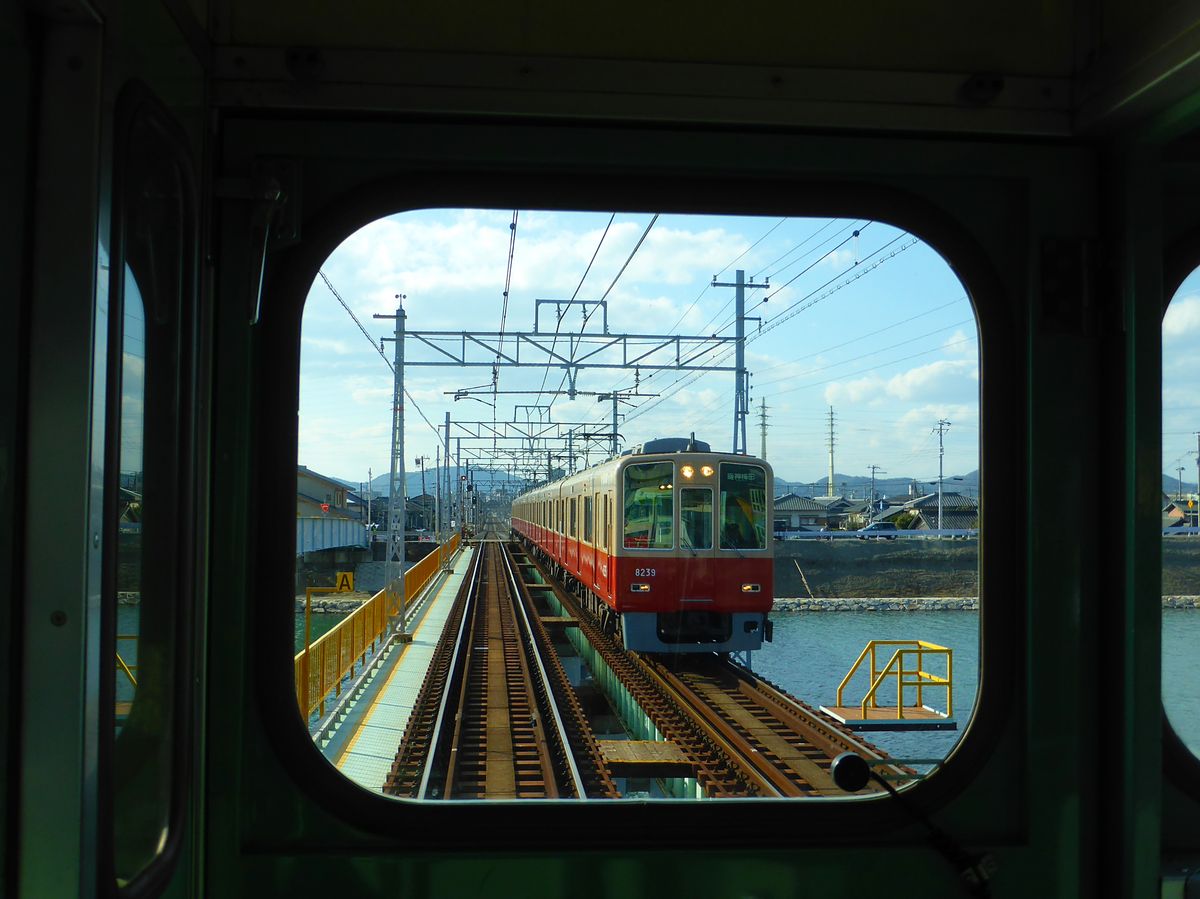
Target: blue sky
{"x": 877, "y": 326}
{"x": 1181, "y": 375}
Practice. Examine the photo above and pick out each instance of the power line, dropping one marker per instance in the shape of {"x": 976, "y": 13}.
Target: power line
{"x": 377, "y": 348}
{"x": 559, "y": 317}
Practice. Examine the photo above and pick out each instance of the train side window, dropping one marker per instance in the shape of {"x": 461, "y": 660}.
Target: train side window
{"x": 1181, "y": 511}
{"x": 149, "y": 570}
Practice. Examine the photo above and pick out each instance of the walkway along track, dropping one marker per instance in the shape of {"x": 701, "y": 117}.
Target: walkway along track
{"x": 486, "y": 723}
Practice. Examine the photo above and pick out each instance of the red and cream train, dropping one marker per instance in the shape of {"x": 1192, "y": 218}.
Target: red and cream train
{"x": 670, "y": 544}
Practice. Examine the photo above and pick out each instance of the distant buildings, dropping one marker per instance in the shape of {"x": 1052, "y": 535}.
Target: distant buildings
{"x": 795, "y": 513}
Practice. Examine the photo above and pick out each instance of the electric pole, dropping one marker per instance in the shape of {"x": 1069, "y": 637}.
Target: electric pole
{"x": 829, "y": 489}
{"x": 1179, "y": 485}
{"x": 396, "y": 491}
{"x": 741, "y": 385}
{"x": 874, "y": 469}
{"x": 762, "y": 422}
{"x": 942, "y": 426}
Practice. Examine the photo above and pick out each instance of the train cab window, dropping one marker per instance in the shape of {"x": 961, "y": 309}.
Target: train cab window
{"x": 1181, "y": 512}
{"x": 649, "y": 506}
{"x": 743, "y": 506}
{"x": 827, "y": 544}
{"x": 149, "y": 569}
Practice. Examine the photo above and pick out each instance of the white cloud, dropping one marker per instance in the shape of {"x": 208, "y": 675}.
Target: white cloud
{"x": 839, "y": 259}
{"x": 339, "y": 347}
{"x": 1182, "y": 319}
{"x": 935, "y": 379}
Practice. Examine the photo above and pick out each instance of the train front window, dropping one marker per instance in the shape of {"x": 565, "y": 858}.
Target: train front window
{"x": 837, "y": 520}
{"x": 649, "y": 505}
{"x": 743, "y": 506}
{"x": 695, "y": 517}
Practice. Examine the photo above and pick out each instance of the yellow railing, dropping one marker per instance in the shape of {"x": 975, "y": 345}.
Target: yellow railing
{"x": 321, "y": 666}
{"x": 121, "y": 664}
{"x": 907, "y": 666}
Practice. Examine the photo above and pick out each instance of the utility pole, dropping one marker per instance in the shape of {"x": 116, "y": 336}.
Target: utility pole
{"x": 1179, "y": 486}
{"x": 874, "y": 468}
{"x": 741, "y": 380}
{"x": 449, "y": 506}
{"x": 1194, "y": 516}
{"x": 421, "y": 460}
{"x": 396, "y": 491}
{"x": 942, "y": 425}
{"x": 370, "y": 490}
{"x": 829, "y": 489}
{"x": 762, "y": 423}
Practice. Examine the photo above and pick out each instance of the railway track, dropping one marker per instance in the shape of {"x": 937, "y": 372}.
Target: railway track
{"x": 498, "y": 718}
{"x": 785, "y": 744}
{"x": 487, "y": 722}
{"x": 742, "y": 735}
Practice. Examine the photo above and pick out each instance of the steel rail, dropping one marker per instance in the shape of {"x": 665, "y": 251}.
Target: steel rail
{"x": 717, "y": 772}
{"x": 559, "y": 727}
{"x": 737, "y": 744}
{"x": 455, "y": 666}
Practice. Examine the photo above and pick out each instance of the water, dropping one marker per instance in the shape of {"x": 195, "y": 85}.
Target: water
{"x": 812, "y": 651}
{"x": 1181, "y": 673}
{"x": 321, "y": 623}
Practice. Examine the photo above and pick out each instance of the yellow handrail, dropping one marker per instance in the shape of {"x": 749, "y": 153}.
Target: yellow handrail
{"x": 129, "y": 674}
{"x": 321, "y": 666}
{"x": 126, "y": 668}
{"x": 905, "y": 675}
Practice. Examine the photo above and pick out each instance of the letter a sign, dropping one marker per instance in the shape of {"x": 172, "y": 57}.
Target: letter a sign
{"x": 345, "y": 582}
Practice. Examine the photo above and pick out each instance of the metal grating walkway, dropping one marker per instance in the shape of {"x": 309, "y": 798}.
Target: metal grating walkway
{"x": 371, "y": 748}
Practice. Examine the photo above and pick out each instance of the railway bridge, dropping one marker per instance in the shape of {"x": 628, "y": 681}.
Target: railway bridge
{"x": 500, "y": 686}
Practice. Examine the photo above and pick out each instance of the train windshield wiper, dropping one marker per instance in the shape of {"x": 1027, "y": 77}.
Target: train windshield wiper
{"x": 687, "y": 544}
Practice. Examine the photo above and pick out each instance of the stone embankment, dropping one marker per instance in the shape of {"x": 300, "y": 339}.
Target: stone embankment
{"x": 879, "y": 604}
{"x": 920, "y": 604}
{"x": 1181, "y": 602}
{"x": 338, "y": 603}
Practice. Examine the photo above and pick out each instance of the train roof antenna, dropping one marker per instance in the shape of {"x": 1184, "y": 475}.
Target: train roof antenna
{"x": 691, "y": 447}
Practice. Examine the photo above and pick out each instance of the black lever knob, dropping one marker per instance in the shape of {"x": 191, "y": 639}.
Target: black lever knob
{"x": 850, "y": 772}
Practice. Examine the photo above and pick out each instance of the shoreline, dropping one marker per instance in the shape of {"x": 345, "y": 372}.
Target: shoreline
{"x": 803, "y": 604}
{"x": 920, "y": 604}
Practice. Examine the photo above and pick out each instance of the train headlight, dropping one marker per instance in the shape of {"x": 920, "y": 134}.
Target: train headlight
{"x": 687, "y": 471}
{"x": 706, "y": 470}
{"x": 751, "y": 588}
{"x": 639, "y": 588}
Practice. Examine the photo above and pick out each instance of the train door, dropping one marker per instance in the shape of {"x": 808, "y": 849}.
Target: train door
{"x": 104, "y": 796}
{"x": 587, "y": 546}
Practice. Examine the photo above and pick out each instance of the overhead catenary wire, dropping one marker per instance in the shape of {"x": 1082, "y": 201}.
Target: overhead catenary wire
{"x": 578, "y": 287}
{"x": 793, "y": 310}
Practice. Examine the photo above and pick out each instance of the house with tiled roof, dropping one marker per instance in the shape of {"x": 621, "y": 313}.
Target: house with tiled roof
{"x": 1180, "y": 512}
{"x": 958, "y": 512}
{"x": 798, "y": 513}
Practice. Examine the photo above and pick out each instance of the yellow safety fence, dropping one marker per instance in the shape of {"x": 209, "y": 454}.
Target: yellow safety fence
{"x": 907, "y": 666}
{"x": 321, "y": 666}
